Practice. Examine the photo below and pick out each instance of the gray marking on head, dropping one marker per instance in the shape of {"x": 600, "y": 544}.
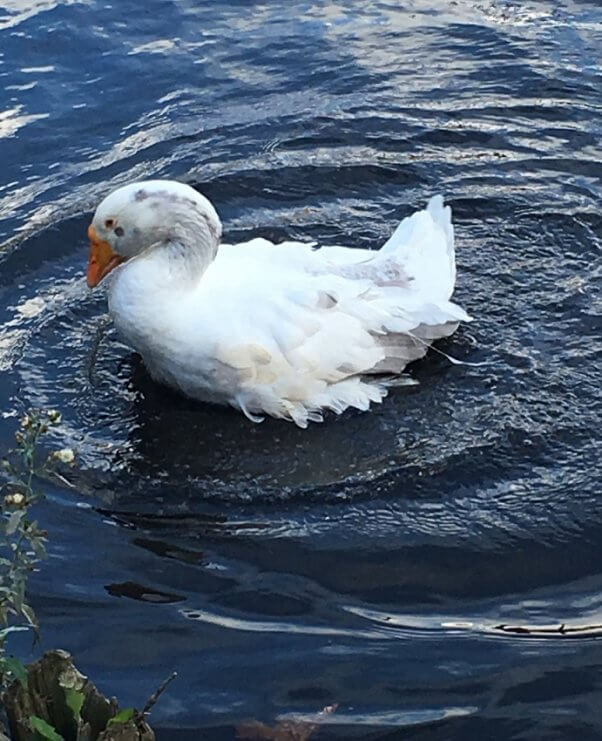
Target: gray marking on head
{"x": 215, "y": 232}
{"x": 167, "y": 195}
{"x": 157, "y": 196}
{"x": 183, "y": 199}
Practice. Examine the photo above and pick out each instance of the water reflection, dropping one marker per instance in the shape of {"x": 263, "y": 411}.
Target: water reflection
{"x": 12, "y": 119}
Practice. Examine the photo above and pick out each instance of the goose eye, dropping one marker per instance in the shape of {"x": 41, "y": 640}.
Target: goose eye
{"x": 109, "y": 223}
{"x": 119, "y": 231}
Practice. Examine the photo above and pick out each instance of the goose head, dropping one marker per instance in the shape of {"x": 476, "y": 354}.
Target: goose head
{"x": 150, "y": 215}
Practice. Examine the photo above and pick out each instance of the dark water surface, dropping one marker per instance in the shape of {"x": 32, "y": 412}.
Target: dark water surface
{"x": 368, "y": 561}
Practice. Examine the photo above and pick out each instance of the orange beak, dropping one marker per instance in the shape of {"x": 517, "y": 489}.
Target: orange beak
{"x": 102, "y": 258}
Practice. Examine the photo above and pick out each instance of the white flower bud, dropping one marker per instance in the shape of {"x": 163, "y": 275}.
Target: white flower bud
{"x": 65, "y": 455}
{"x": 16, "y": 499}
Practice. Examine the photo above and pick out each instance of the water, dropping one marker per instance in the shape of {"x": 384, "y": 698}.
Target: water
{"x": 370, "y": 561}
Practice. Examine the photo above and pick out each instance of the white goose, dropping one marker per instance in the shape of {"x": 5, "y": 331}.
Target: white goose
{"x": 286, "y": 330}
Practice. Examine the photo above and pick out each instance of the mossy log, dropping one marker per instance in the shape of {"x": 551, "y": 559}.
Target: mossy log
{"x": 48, "y": 681}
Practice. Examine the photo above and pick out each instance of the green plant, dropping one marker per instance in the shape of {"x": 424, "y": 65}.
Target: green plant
{"x": 22, "y": 541}
{"x": 51, "y": 687}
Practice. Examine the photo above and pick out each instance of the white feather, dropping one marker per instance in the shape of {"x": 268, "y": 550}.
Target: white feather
{"x": 289, "y": 330}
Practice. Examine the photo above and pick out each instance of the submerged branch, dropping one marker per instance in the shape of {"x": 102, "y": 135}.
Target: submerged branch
{"x": 552, "y": 631}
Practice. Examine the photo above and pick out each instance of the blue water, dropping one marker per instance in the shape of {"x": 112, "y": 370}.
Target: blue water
{"x": 369, "y": 561}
